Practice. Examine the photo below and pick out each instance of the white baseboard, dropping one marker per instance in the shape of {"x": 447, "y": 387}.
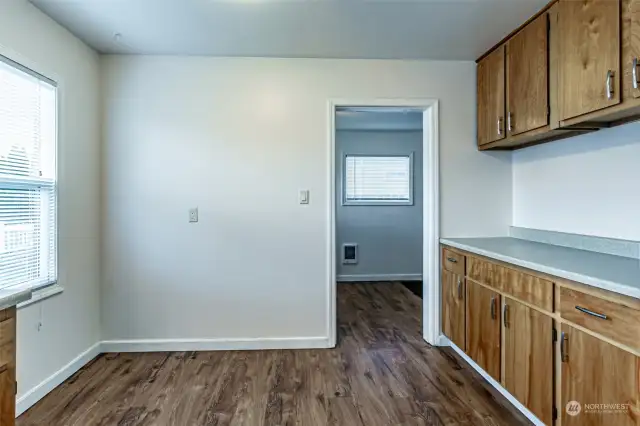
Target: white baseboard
{"x": 378, "y": 277}
{"x": 36, "y": 393}
{"x": 180, "y": 345}
{"x": 443, "y": 341}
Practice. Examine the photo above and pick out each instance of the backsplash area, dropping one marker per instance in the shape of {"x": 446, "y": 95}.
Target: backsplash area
{"x": 611, "y": 246}
{"x": 584, "y": 185}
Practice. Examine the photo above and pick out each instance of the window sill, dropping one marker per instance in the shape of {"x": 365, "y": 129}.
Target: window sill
{"x": 42, "y": 294}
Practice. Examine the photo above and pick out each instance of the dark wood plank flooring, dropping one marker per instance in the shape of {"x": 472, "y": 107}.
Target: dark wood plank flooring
{"x": 381, "y": 373}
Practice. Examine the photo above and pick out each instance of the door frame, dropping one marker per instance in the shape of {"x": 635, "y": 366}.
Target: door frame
{"x": 431, "y": 209}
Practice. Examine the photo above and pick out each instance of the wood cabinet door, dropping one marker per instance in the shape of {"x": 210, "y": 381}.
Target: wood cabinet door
{"x": 483, "y": 328}
{"x": 453, "y": 308}
{"x": 528, "y": 358}
{"x": 7, "y": 397}
{"x": 630, "y": 49}
{"x": 528, "y": 78}
{"x": 589, "y": 66}
{"x": 491, "y": 93}
{"x": 596, "y": 372}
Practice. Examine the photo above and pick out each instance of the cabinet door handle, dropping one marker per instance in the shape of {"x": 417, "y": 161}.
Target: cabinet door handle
{"x": 609, "y": 84}
{"x": 634, "y": 73}
{"x": 460, "y": 288}
{"x": 452, "y": 260}
{"x": 563, "y": 348}
{"x": 509, "y": 119}
{"x": 499, "y": 126}
{"x": 590, "y": 312}
{"x": 505, "y": 312}
{"x": 493, "y": 307}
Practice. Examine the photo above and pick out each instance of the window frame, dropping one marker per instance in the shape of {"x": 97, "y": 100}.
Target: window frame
{"x": 376, "y": 202}
{"x": 52, "y": 287}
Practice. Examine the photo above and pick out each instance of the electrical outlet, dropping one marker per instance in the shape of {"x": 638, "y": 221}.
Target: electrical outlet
{"x": 193, "y": 215}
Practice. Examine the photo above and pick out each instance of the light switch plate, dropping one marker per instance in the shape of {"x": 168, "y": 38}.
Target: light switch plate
{"x": 193, "y": 215}
{"x": 304, "y": 196}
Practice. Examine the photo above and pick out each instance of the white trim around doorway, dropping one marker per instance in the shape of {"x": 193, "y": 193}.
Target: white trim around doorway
{"x": 431, "y": 219}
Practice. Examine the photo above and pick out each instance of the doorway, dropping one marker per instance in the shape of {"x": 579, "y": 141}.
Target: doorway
{"x": 384, "y": 201}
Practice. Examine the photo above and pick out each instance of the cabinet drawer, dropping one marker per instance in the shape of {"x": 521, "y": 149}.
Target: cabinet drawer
{"x": 525, "y": 287}
{"x": 613, "y": 320}
{"x": 531, "y": 289}
{"x": 453, "y": 262}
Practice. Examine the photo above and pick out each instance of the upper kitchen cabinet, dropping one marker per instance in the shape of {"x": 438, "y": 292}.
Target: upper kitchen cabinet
{"x": 491, "y": 96}
{"x": 515, "y": 107}
{"x": 528, "y": 78}
{"x": 572, "y": 68}
{"x": 589, "y": 48}
{"x": 631, "y": 49}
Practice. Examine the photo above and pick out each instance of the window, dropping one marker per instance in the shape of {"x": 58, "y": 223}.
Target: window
{"x": 378, "y": 180}
{"x": 28, "y": 130}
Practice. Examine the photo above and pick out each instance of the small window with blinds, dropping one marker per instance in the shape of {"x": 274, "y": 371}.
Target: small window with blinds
{"x": 378, "y": 180}
{"x": 28, "y": 132}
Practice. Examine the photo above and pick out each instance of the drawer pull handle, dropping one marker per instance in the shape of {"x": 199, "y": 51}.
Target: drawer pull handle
{"x": 634, "y": 73}
{"x": 493, "y": 307}
{"x": 460, "y": 288}
{"x": 563, "y": 349}
{"x": 609, "y": 84}
{"x": 589, "y": 312}
{"x": 505, "y": 313}
{"x": 452, "y": 260}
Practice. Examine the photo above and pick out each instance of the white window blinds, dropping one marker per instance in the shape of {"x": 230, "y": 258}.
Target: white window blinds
{"x": 28, "y": 227}
{"x": 378, "y": 179}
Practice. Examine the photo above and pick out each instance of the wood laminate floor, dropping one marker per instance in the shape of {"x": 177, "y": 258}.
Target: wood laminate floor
{"x": 381, "y": 373}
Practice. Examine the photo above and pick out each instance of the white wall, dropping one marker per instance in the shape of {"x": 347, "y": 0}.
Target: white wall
{"x": 239, "y": 138}
{"x": 389, "y": 238}
{"x": 586, "y": 185}
{"x": 70, "y": 321}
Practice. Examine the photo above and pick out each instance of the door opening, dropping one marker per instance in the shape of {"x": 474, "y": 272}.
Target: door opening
{"x": 384, "y": 204}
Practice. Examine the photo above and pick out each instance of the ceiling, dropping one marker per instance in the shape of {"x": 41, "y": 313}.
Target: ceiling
{"x": 376, "y": 29}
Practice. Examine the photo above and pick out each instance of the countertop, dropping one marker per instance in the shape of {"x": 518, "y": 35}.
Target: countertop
{"x": 11, "y": 296}
{"x": 613, "y": 273}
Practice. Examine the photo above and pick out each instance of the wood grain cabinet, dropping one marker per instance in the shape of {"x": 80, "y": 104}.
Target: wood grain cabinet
{"x": 528, "y": 357}
{"x": 631, "y": 49}
{"x": 589, "y": 45}
{"x": 527, "y": 78}
{"x": 513, "y": 95}
{"x": 546, "y": 340}
{"x": 596, "y": 372}
{"x": 491, "y": 97}
{"x": 453, "y": 308}
{"x": 8, "y": 367}
{"x": 570, "y": 69}
{"x": 483, "y": 328}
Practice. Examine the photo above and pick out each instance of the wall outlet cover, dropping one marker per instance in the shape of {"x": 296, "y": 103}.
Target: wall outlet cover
{"x": 193, "y": 215}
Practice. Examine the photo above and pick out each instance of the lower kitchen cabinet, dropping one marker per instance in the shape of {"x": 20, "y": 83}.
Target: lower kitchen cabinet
{"x": 453, "y": 308}
{"x": 566, "y": 351}
{"x": 597, "y": 372}
{"x": 483, "y": 328}
{"x": 528, "y": 358}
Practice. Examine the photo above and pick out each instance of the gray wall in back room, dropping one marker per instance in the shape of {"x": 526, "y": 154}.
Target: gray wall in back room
{"x": 389, "y": 238}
